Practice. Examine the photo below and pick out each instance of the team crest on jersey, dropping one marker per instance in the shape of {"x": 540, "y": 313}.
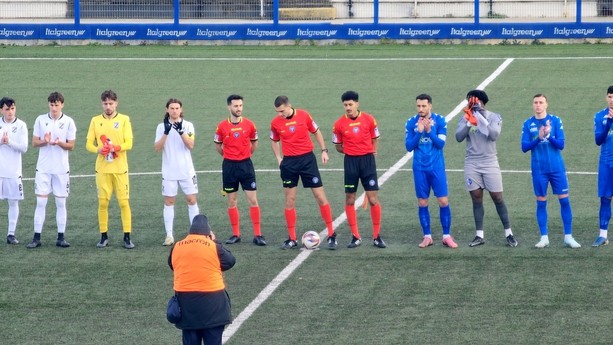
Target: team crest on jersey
{"x": 356, "y": 130}
{"x": 61, "y": 125}
{"x": 372, "y": 183}
{"x": 315, "y": 179}
{"x": 14, "y": 129}
{"x": 236, "y": 134}
{"x": 292, "y": 129}
{"x": 116, "y": 125}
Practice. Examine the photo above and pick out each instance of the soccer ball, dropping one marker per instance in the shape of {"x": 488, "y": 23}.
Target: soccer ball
{"x": 311, "y": 239}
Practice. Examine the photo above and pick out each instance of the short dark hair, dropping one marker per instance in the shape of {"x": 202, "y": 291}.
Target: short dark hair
{"x": 9, "y": 102}
{"x": 350, "y": 96}
{"x": 424, "y": 96}
{"x": 55, "y": 97}
{"x": 234, "y": 98}
{"x": 610, "y": 89}
{"x": 108, "y": 94}
{"x": 540, "y": 95}
{"x": 281, "y": 100}
{"x": 480, "y": 94}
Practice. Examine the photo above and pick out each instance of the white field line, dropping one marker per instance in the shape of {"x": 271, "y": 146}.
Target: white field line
{"x": 297, "y": 59}
{"x": 294, "y": 264}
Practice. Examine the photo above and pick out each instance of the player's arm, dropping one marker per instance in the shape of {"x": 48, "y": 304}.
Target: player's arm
{"x": 276, "y": 150}
{"x": 322, "y": 144}
{"x": 494, "y": 126}
{"x": 462, "y": 130}
{"x": 601, "y": 131}
{"x": 556, "y": 138}
{"x": 160, "y": 138}
{"x": 20, "y": 143}
{"x": 67, "y": 145}
{"x": 440, "y": 136}
{"x": 527, "y": 144}
{"x": 91, "y": 142}
{"x": 219, "y": 148}
{"x": 375, "y": 145}
{"x": 128, "y": 137}
{"x": 38, "y": 141}
{"x": 411, "y": 138}
{"x": 188, "y": 140}
{"x": 254, "y": 145}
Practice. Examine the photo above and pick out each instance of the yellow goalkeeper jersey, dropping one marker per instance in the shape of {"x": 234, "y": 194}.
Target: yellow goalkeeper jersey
{"x": 119, "y": 130}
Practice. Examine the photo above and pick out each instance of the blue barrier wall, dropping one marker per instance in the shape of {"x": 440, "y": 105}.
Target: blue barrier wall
{"x": 304, "y": 31}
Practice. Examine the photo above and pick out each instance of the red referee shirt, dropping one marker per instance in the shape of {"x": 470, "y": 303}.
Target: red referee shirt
{"x": 294, "y": 133}
{"x": 236, "y": 138}
{"x": 356, "y": 134}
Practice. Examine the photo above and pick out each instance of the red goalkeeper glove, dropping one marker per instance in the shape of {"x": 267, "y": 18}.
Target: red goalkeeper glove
{"x": 116, "y": 148}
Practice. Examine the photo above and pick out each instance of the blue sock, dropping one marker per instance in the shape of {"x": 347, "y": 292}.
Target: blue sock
{"x": 445, "y": 213}
{"x": 605, "y": 213}
{"x": 567, "y": 215}
{"x": 541, "y": 216}
{"x": 424, "y": 220}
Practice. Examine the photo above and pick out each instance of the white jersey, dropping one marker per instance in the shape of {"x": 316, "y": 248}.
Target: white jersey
{"x": 177, "y": 161}
{"x": 10, "y": 154}
{"x": 53, "y": 159}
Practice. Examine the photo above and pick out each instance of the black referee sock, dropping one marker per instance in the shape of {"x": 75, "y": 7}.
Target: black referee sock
{"x": 37, "y": 236}
{"x": 60, "y": 236}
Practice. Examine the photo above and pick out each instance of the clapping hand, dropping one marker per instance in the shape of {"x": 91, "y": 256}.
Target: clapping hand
{"x": 178, "y": 126}
{"x": 167, "y": 126}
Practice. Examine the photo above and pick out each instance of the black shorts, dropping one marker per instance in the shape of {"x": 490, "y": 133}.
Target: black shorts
{"x": 360, "y": 168}
{"x": 303, "y": 167}
{"x": 235, "y": 172}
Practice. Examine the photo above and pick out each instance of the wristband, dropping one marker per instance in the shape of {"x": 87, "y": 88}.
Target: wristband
{"x": 324, "y": 150}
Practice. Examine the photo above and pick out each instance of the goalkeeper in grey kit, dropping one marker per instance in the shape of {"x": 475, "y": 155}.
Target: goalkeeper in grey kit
{"x": 480, "y": 128}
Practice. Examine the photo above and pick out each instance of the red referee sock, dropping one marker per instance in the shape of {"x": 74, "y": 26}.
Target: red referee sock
{"x": 375, "y": 216}
{"x": 290, "y": 219}
{"x": 254, "y": 212}
{"x": 326, "y": 214}
{"x": 352, "y": 219}
{"x": 234, "y": 221}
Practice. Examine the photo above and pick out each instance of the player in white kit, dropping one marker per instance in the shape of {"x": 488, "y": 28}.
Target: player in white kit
{"x": 54, "y": 133}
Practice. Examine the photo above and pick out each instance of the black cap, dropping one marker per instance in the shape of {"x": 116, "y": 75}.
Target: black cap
{"x": 480, "y": 94}
{"x": 200, "y": 225}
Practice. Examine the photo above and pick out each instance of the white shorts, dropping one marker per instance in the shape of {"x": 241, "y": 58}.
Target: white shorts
{"x": 188, "y": 186}
{"x": 11, "y": 188}
{"x": 58, "y": 184}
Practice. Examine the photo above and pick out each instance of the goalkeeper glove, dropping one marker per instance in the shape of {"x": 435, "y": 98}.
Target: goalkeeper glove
{"x": 179, "y": 127}
{"x": 116, "y": 148}
{"x": 167, "y": 126}
{"x": 105, "y": 150}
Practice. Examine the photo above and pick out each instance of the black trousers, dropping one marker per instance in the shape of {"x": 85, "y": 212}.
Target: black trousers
{"x": 207, "y": 336}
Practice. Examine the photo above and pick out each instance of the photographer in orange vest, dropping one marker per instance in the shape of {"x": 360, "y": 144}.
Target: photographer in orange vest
{"x": 197, "y": 262}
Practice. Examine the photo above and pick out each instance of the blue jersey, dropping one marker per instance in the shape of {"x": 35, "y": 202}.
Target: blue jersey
{"x": 546, "y": 153}
{"x": 427, "y": 147}
{"x": 603, "y": 134}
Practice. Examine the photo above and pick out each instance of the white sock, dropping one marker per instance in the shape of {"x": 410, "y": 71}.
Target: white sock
{"x": 169, "y": 218}
{"x": 508, "y": 232}
{"x": 193, "y": 211}
{"x": 39, "y": 213}
{"x": 480, "y": 233}
{"x": 445, "y": 236}
{"x": 603, "y": 233}
{"x": 428, "y": 236}
{"x": 568, "y": 237}
{"x": 61, "y": 214}
{"x": 545, "y": 238}
{"x": 13, "y": 215}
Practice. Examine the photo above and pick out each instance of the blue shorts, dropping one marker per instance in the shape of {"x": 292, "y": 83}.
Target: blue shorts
{"x": 605, "y": 182}
{"x": 426, "y": 180}
{"x": 361, "y": 168}
{"x": 558, "y": 180}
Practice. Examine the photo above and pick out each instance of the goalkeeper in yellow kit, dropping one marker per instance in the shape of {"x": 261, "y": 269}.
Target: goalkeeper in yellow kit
{"x": 110, "y": 136}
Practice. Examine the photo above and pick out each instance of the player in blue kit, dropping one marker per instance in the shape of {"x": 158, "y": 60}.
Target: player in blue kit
{"x": 425, "y": 135}
{"x": 543, "y": 135}
{"x": 604, "y": 138}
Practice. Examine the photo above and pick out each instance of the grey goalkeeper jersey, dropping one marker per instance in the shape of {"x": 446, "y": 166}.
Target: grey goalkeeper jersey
{"x": 480, "y": 139}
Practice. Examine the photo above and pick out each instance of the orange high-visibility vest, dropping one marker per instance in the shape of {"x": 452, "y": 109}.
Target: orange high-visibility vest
{"x": 196, "y": 265}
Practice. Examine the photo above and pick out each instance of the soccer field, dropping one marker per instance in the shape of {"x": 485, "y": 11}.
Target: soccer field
{"x": 491, "y": 294}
